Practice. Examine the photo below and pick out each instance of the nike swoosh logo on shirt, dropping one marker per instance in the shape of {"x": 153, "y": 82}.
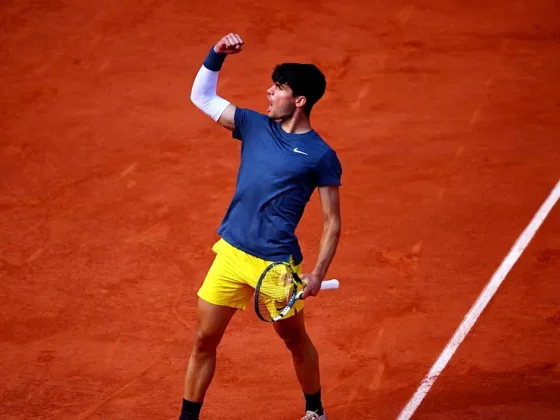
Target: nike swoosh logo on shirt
{"x": 299, "y": 151}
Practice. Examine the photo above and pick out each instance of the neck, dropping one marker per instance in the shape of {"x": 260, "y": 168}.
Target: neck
{"x": 297, "y": 123}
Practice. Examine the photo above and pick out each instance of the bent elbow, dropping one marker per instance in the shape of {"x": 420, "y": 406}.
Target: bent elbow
{"x": 195, "y": 98}
{"x": 199, "y": 101}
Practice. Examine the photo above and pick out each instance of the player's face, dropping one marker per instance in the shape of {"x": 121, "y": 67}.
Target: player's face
{"x": 282, "y": 103}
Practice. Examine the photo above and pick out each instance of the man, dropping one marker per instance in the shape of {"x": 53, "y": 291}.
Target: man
{"x": 283, "y": 160}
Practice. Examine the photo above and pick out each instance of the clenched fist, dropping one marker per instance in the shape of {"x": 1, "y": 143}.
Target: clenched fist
{"x": 229, "y": 44}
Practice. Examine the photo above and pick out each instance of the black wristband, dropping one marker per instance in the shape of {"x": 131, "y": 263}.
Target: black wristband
{"x": 214, "y": 60}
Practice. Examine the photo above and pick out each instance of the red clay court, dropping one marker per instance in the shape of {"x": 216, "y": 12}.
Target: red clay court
{"x": 445, "y": 116}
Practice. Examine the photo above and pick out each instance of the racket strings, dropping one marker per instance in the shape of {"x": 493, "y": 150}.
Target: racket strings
{"x": 276, "y": 290}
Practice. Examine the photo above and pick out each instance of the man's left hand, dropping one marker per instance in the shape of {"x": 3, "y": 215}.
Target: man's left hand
{"x": 313, "y": 284}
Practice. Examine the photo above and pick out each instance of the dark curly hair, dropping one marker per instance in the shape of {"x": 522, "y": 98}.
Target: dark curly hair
{"x": 304, "y": 80}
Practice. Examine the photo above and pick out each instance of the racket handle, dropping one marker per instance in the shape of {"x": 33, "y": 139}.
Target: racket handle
{"x": 330, "y": 284}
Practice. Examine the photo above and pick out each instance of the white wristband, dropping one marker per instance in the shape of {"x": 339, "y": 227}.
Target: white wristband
{"x": 203, "y": 94}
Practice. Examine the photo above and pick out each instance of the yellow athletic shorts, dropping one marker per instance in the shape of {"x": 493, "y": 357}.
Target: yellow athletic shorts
{"x": 233, "y": 276}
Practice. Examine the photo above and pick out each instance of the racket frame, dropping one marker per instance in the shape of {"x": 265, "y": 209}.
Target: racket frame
{"x": 325, "y": 285}
{"x": 295, "y": 294}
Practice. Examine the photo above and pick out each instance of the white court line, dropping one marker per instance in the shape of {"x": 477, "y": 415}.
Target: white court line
{"x": 480, "y": 304}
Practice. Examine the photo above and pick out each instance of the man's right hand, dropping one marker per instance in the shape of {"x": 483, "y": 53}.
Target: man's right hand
{"x": 229, "y": 44}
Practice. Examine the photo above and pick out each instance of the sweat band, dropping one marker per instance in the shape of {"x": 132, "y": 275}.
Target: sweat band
{"x": 214, "y": 60}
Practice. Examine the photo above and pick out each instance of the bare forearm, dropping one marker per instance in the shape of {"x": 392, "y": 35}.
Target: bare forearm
{"x": 328, "y": 246}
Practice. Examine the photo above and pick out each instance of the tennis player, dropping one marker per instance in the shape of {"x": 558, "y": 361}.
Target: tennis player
{"x": 283, "y": 160}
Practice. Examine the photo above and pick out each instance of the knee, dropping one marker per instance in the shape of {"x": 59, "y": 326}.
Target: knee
{"x": 296, "y": 341}
{"x": 205, "y": 342}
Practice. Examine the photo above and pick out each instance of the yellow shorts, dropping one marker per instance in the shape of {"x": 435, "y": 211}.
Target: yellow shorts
{"x": 233, "y": 276}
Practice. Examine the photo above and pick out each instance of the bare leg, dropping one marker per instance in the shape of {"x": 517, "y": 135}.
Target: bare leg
{"x": 212, "y": 323}
{"x": 304, "y": 355}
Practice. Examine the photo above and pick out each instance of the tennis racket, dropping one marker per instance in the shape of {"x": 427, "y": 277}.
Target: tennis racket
{"x": 278, "y": 289}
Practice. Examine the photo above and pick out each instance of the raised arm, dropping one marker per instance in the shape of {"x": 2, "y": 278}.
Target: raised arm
{"x": 203, "y": 92}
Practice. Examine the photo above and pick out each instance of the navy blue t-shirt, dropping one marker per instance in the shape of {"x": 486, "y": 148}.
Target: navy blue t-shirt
{"x": 277, "y": 175}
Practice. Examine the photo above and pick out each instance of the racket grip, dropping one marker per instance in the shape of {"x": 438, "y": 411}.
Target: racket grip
{"x": 330, "y": 284}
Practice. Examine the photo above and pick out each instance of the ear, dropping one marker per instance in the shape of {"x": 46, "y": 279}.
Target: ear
{"x": 300, "y": 101}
